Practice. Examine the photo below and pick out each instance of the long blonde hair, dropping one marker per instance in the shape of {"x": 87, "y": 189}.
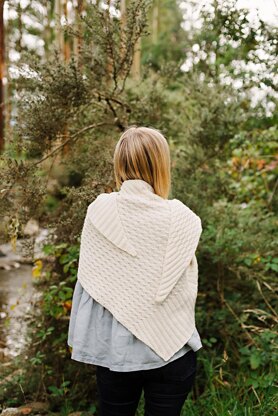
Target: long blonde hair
{"x": 143, "y": 153}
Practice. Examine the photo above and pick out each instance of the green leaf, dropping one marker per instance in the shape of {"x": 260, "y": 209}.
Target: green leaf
{"x": 255, "y": 360}
{"x": 274, "y": 267}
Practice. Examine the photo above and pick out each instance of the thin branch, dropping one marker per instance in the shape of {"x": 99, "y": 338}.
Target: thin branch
{"x": 266, "y": 301}
{"x": 116, "y": 120}
{"x": 240, "y": 323}
{"x": 72, "y": 138}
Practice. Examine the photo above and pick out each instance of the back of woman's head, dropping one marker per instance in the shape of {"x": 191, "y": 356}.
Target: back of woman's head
{"x": 143, "y": 153}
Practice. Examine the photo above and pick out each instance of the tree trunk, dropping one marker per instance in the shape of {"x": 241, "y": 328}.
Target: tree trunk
{"x": 122, "y": 25}
{"x": 49, "y": 31}
{"x": 66, "y": 44}
{"x": 9, "y": 86}
{"x": 20, "y": 28}
{"x": 123, "y": 18}
{"x": 110, "y": 62}
{"x": 78, "y": 41}
{"x": 59, "y": 34}
{"x": 2, "y": 69}
{"x": 155, "y": 21}
{"x": 64, "y": 49}
{"x": 136, "y": 63}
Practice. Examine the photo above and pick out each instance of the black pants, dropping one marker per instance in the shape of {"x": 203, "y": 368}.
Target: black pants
{"x": 165, "y": 388}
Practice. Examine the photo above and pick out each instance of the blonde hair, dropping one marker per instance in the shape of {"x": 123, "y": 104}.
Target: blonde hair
{"x": 143, "y": 153}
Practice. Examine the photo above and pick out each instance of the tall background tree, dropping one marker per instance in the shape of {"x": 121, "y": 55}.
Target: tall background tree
{"x": 2, "y": 66}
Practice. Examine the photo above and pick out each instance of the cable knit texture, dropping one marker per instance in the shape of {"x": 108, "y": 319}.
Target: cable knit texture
{"x": 137, "y": 259}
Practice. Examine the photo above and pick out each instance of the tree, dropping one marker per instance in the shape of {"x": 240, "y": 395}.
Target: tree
{"x": 65, "y": 101}
{"x": 231, "y": 49}
{"x": 2, "y": 66}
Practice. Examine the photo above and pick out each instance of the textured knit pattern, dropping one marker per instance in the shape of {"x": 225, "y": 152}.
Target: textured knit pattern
{"x": 96, "y": 337}
{"x": 137, "y": 259}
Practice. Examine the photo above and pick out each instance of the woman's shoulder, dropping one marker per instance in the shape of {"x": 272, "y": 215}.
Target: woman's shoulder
{"x": 103, "y": 203}
{"x": 107, "y": 202}
{"x": 179, "y": 209}
{"x": 104, "y": 196}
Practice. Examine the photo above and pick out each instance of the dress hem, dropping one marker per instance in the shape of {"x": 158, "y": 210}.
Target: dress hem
{"x": 91, "y": 360}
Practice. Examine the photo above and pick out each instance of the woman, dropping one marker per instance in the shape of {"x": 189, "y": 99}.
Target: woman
{"x": 133, "y": 304}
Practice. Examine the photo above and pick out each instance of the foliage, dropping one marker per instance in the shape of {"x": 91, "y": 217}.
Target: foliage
{"x": 230, "y": 44}
{"x": 224, "y": 167}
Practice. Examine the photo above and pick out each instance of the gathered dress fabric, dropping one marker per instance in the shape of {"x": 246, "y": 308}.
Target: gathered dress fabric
{"x": 96, "y": 337}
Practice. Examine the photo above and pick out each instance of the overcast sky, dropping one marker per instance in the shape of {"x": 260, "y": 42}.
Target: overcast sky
{"x": 268, "y": 9}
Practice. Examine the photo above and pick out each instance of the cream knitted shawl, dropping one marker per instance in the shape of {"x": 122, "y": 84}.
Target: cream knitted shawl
{"x": 137, "y": 259}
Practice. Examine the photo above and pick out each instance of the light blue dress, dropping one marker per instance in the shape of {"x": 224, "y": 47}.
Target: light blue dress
{"x": 96, "y": 337}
